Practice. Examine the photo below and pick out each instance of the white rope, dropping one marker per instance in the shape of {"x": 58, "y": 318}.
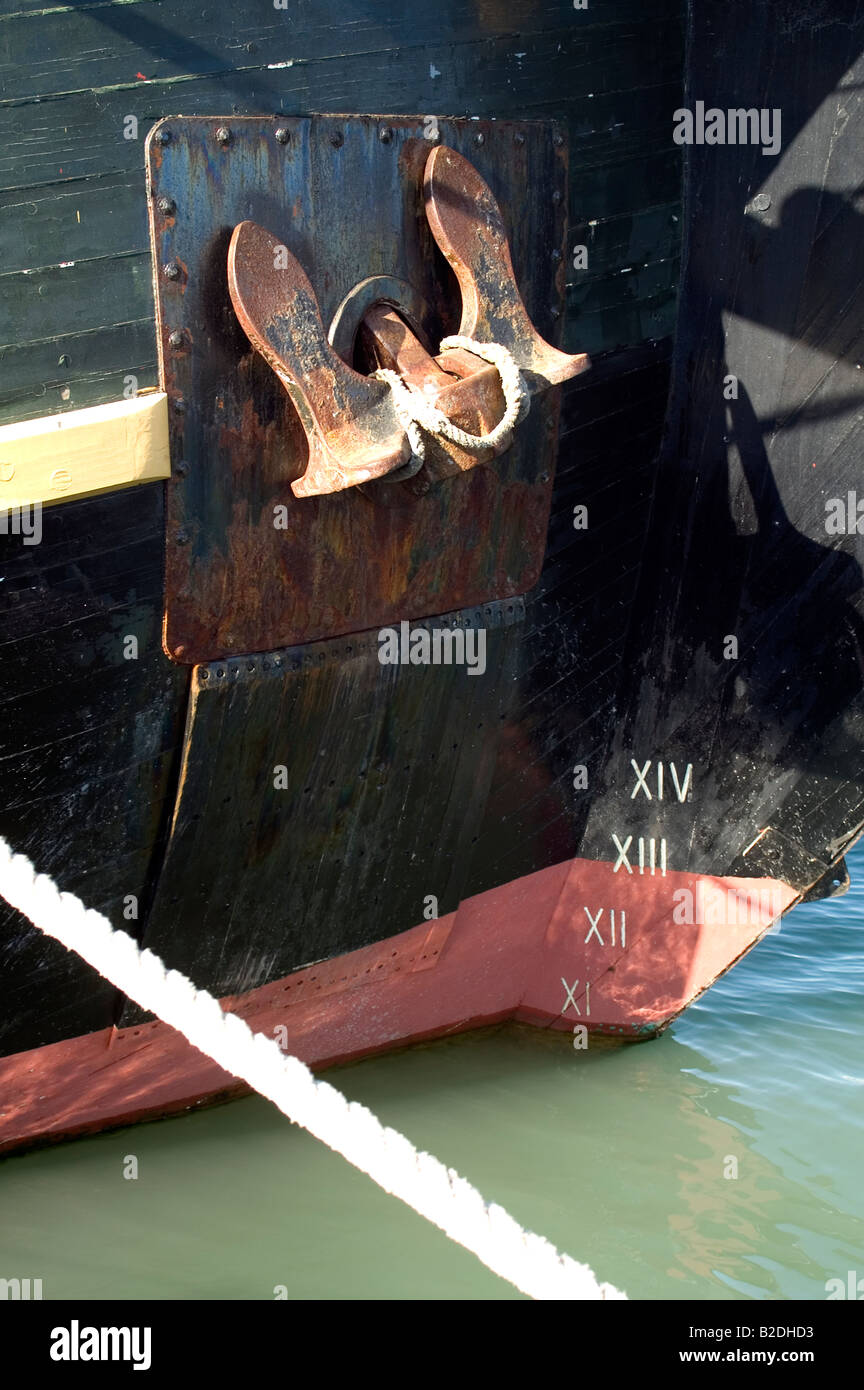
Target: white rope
{"x": 438, "y": 1193}
{"x": 416, "y": 413}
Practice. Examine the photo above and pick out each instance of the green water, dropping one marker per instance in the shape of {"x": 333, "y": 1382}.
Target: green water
{"x": 618, "y": 1155}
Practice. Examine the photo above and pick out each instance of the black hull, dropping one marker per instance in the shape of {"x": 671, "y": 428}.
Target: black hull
{"x": 710, "y": 529}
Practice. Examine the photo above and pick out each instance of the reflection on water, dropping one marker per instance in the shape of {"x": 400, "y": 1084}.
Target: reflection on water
{"x": 618, "y": 1155}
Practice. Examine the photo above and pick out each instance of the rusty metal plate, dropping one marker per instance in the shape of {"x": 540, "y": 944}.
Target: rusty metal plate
{"x": 249, "y": 566}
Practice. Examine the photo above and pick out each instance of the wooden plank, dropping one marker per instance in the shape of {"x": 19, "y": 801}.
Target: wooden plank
{"x": 87, "y": 739}
{"x": 624, "y": 240}
{"x": 644, "y": 176}
{"x": 104, "y": 215}
{"x": 108, "y": 47}
{"x": 600, "y": 313}
{"x": 72, "y": 370}
{"x": 515, "y": 16}
{"x": 94, "y": 388}
{"x": 74, "y": 297}
{"x": 60, "y": 458}
{"x": 84, "y": 134}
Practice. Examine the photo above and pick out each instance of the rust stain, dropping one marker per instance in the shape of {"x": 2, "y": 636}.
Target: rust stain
{"x": 261, "y": 407}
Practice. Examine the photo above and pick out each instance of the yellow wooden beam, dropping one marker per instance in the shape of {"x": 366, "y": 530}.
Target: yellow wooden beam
{"x": 59, "y": 458}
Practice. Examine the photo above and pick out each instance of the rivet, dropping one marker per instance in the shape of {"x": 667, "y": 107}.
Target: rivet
{"x": 283, "y": 135}
{"x": 179, "y": 406}
{"x": 555, "y": 311}
{"x": 205, "y": 674}
{"x": 544, "y": 477}
{"x": 166, "y": 206}
{"x": 177, "y": 339}
{"x": 171, "y": 270}
{"x": 164, "y": 137}
{"x": 518, "y": 138}
{"x": 761, "y": 203}
{"x": 556, "y": 196}
{"x": 558, "y": 141}
{"x": 182, "y": 467}
{"x": 178, "y": 651}
{"x": 223, "y": 135}
{"x": 182, "y": 537}
{"x": 337, "y": 139}
{"x": 479, "y": 138}
{"x": 556, "y": 254}
{"x": 385, "y": 134}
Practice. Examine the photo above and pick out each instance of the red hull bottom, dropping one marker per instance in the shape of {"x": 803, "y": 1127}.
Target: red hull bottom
{"x": 580, "y": 944}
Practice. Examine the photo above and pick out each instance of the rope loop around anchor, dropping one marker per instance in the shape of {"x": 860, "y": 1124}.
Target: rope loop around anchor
{"x": 416, "y": 414}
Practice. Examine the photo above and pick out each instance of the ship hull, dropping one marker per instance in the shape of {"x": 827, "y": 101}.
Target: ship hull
{"x": 577, "y": 948}
{"x": 665, "y": 748}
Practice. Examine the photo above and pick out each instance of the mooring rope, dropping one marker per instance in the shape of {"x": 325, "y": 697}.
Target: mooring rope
{"x": 416, "y": 413}
{"x": 528, "y": 1261}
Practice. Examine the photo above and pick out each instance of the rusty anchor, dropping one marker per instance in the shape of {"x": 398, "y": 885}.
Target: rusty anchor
{"x": 351, "y": 421}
